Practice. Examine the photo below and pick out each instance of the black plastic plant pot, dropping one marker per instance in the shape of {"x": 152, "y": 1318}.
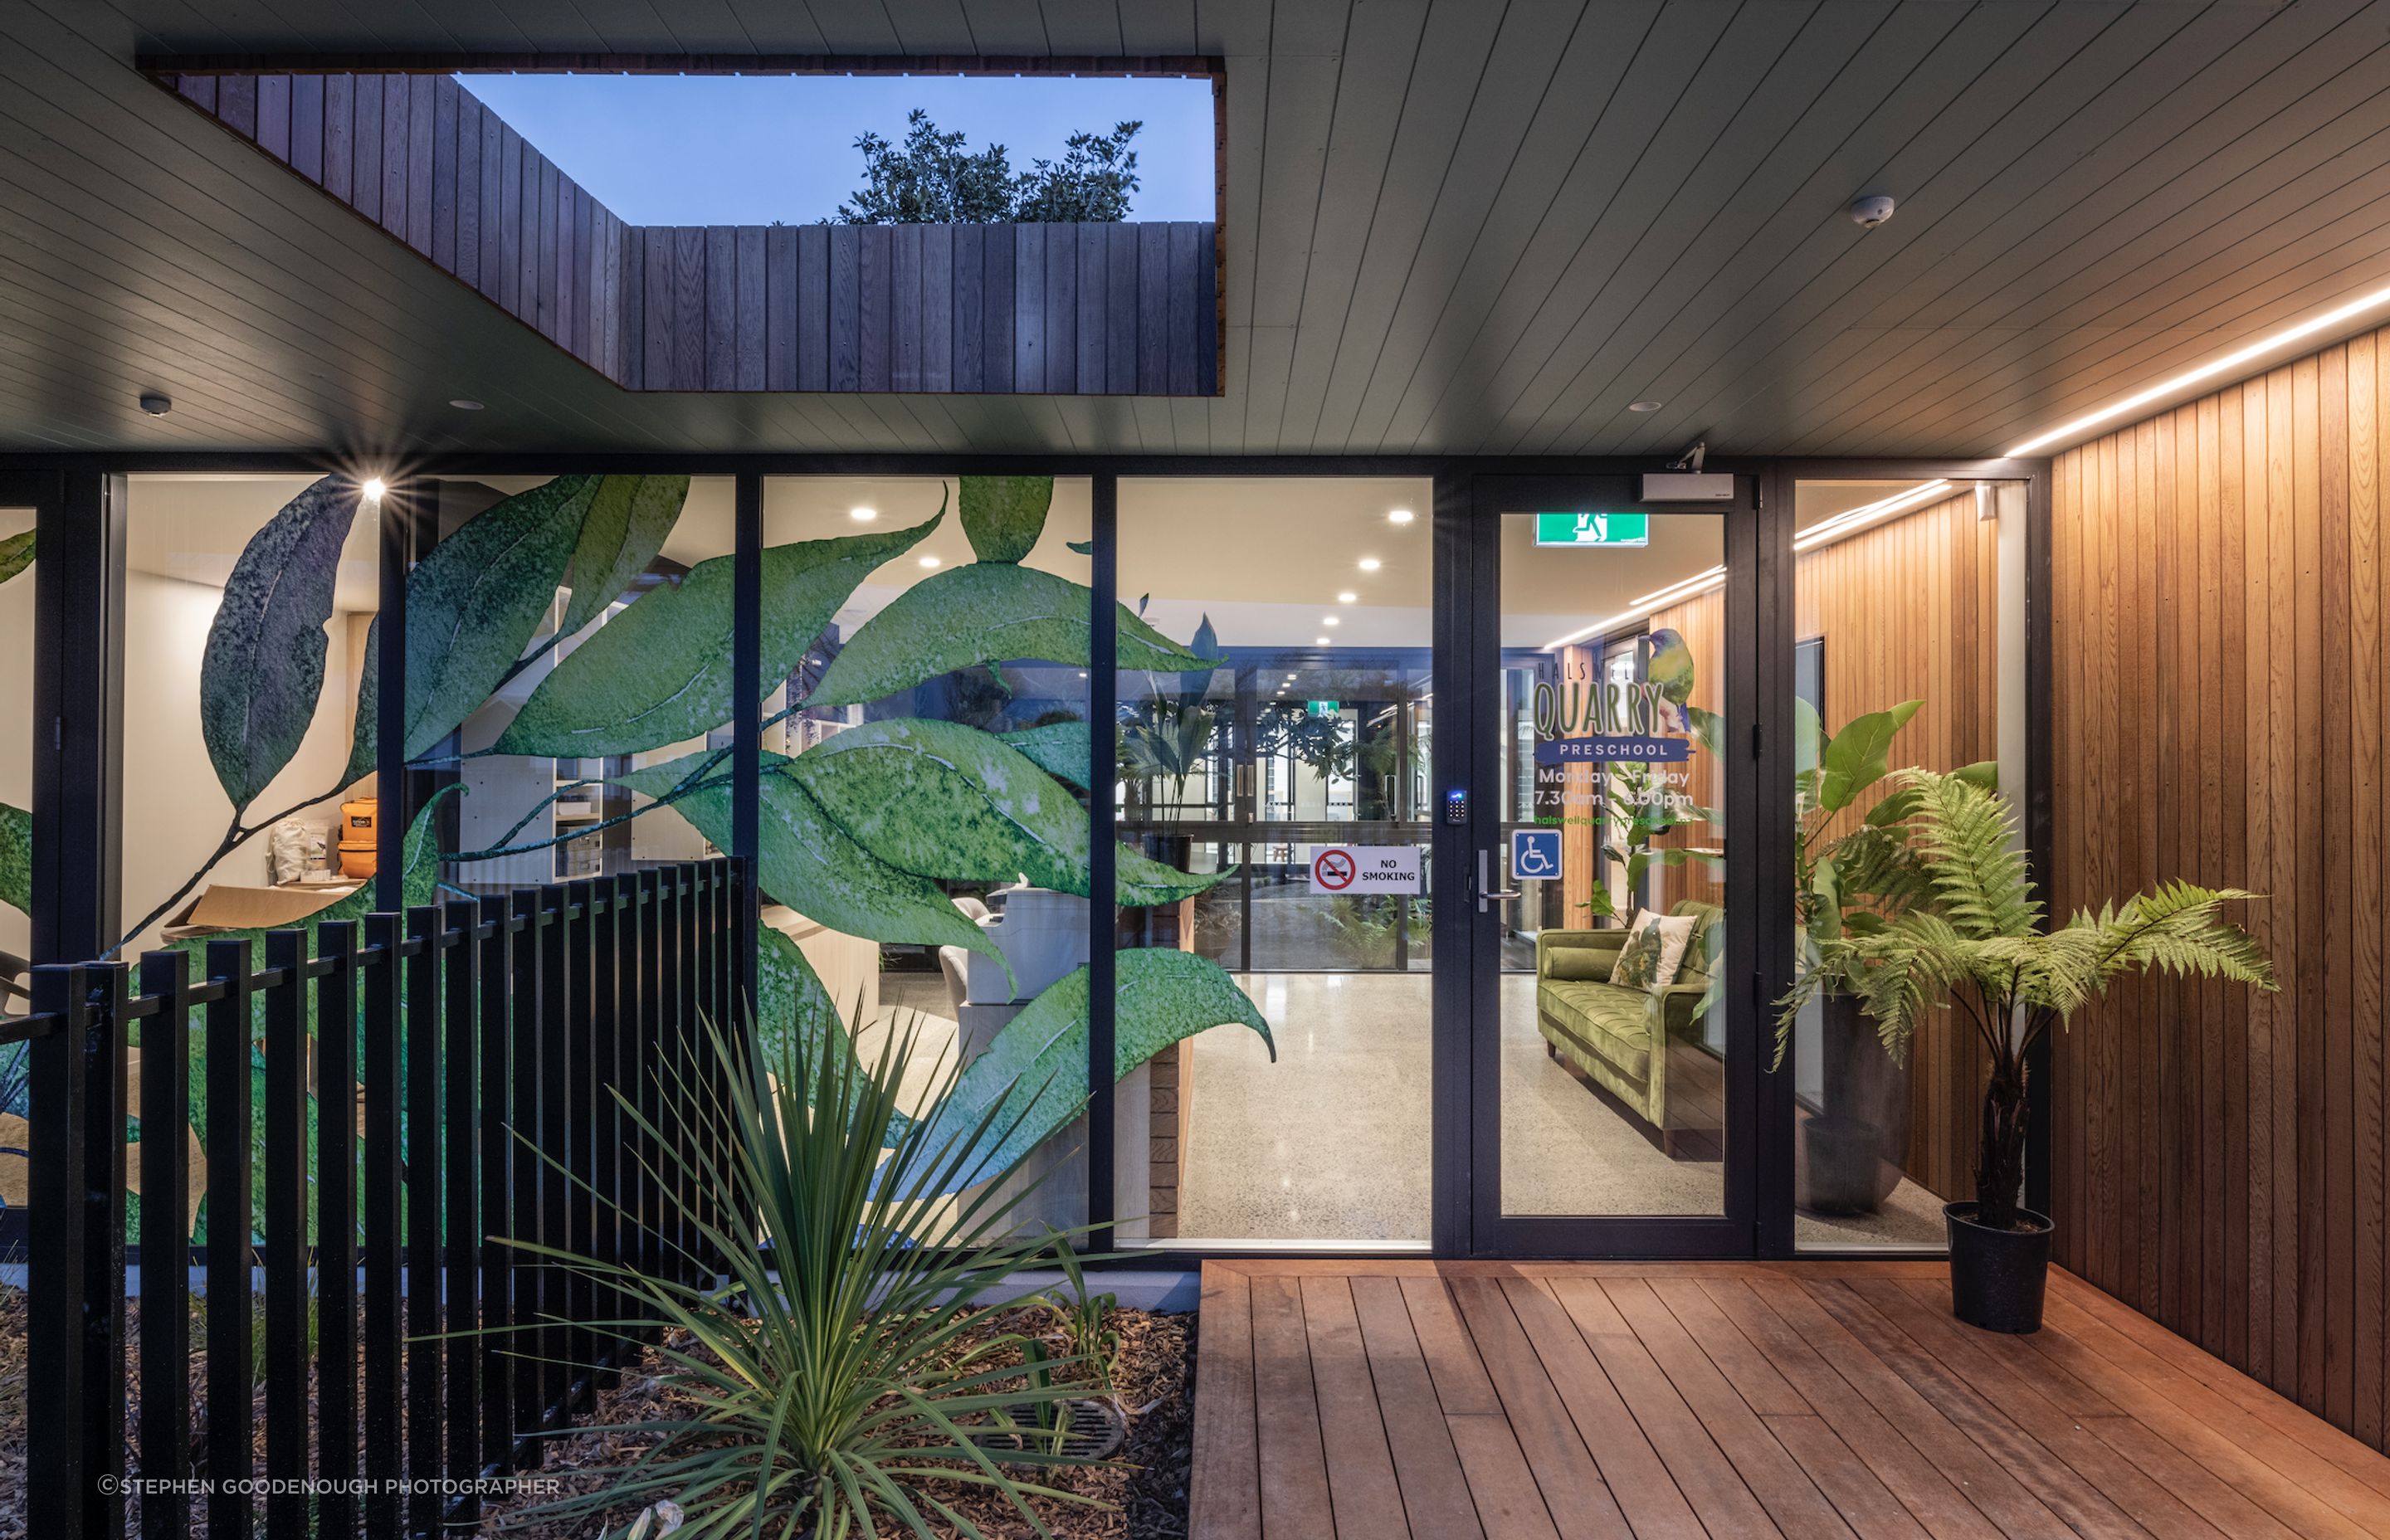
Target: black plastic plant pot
{"x": 1997, "y": 1276}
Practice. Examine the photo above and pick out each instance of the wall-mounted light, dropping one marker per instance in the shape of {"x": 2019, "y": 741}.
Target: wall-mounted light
{"x": 2211, "y": 370}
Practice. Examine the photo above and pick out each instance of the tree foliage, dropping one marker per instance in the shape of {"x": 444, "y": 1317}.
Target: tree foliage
{"x": 933, "y": 178}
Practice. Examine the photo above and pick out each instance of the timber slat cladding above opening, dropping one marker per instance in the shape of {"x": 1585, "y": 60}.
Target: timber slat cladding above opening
{"x": 918, "y": 309}
{"x": 2218, "y": 714}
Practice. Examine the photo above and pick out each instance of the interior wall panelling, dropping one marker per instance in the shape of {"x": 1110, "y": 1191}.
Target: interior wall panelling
{"x": 2217, "y": 711}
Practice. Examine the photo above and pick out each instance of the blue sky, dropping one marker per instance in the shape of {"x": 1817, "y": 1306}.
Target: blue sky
{"x": 715, "y": 149}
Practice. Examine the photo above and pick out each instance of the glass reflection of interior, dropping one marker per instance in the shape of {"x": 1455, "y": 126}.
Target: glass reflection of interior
{"x": 1312, "y": 732}
{"x": 1612, "y": 1028}
{"x": 1905, "y": 592}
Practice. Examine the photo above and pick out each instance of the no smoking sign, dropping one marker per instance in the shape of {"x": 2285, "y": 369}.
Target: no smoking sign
{"x": 1366, "y": 869}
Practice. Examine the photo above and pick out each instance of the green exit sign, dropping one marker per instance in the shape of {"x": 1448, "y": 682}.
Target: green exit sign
{"x": 1593, "y": 529}
{"x": 1323, "y": 708}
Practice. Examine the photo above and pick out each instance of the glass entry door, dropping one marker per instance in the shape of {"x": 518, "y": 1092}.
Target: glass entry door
{"x": 1610, "y": 652}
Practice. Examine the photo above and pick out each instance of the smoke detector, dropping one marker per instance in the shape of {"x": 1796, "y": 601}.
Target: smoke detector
{"x": 1869, "y": 212}
{"x": 155, "y": 404}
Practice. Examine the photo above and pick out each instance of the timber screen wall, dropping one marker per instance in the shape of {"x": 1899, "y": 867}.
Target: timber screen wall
{"x": 2218, "y": 714}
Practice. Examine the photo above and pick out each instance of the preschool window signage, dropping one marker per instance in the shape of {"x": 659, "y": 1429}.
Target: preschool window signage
{"x": 1593, "y": 529}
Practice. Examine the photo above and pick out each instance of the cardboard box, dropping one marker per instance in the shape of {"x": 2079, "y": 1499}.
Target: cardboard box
{"x": 220, "y": 908}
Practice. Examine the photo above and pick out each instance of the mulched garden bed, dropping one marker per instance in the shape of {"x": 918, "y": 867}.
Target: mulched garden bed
{"x": 1146, "y": 1486}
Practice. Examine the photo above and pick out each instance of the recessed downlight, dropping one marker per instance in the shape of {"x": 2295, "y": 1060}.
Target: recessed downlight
{"x": 929, "y": 561}
{"x": 1399, "y": 516}
{"x": 862, "y": 515}
{"x": 1347, "y": 597}
{"x": 1330, "y": 620}
{"x": 1370, "y": 564}
{"x": 465, "y": 403}
{"x": 1645, "y": 405}
{"x": 373, "y": 488}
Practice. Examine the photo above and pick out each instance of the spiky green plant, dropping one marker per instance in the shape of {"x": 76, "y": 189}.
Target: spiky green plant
{"x": 841, "y": 1371}
{"x": 1978, "y": 946}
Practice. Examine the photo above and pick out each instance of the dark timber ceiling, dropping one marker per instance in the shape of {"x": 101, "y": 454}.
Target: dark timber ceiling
{"x": 1469, "y": 225}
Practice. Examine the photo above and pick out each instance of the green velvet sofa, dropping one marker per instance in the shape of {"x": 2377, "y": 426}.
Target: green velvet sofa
{"x": 1643, "y": 1047}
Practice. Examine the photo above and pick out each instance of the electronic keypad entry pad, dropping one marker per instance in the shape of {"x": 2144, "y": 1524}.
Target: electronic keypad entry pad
{"x": 1456, "y": 806}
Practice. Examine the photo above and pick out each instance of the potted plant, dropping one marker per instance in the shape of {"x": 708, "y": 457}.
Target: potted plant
{"x": 1977, "y": 946}
{"x": 1851, "y": 875}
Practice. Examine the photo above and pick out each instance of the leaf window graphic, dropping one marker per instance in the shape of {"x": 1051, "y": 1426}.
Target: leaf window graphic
{"x": 857, "y": 831}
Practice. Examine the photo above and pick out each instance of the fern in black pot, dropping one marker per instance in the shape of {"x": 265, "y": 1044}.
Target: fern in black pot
{"x": 1977, "y": 947}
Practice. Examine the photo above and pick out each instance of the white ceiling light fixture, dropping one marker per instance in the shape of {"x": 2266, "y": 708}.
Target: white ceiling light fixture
{"x": 1370, "y": 564}
{"x": 1319, "y": 641}
{"x": 862, "y": 515}
{"x": 1347, "y": 597}
{"x": 2211, "y": 370}
{"x": 1399, "y": 516}
{"x": 929, "y": 561}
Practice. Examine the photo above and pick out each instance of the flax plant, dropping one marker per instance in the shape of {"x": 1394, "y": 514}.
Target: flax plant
{"x": 840, "y": 1374}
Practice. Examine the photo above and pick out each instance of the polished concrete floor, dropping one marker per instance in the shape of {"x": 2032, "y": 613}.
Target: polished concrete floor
{"x": 1331, "y": 1142}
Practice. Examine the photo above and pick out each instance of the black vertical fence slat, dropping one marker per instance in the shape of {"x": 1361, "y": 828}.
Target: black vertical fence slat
{"x": 556, "y": 1342}
{"x": 567, "y": 1022}
{"x": 165, "y": 1245}
{"x": 576, "y": 961}
{"x": 336, "y": 1224}
{"x": 75, "y": 1277}
{"x": 460, "y": 1226}
{"x": 497, "y": 964}
{"x": 379, "y": 980}
{"x": 605, "y": 1141}
{"x": 230, "y": 1377}
{"x": 421, "y": 1154}
{"x": 522, "y": 1209}
{"x": 288, "y": 1305}
{"x": 647, "y": 1061}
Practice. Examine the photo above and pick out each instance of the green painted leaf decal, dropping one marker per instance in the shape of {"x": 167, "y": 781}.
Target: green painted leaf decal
{"x": 263, "y": 670}
{"x": 1004, "y": 515}
{"x": 626, "y": 526}
{"x": 1060, "y": 749}
{"x": 16, "y": 554}
{"x": 807, "y": 861}
{"x": 365, "y": 732}
{"x": 986, "y": 612}
{"x": 474, "y": 603}
{"x": 660, "y": 672}
{"x": 948, "y": 801}
{"x": 790, "y": 997}
{"x": 1038, "y": 1065}
{"x": 16, "y": 858}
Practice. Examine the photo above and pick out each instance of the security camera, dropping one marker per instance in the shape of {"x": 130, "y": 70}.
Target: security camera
{"x": 1869, "y": 212}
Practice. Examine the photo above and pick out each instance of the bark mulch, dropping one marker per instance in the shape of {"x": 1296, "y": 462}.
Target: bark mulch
{"x": 1145, "y": 1485}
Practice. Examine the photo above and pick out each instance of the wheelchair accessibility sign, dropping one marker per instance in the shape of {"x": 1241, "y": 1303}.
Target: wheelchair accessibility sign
{"x": 1534, "y": 852}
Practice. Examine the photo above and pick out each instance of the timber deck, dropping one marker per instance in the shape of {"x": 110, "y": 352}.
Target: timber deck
{"x": 1374, "y": 1400}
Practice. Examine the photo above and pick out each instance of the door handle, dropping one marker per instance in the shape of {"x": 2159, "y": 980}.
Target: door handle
{"x": 1487, "y": 896}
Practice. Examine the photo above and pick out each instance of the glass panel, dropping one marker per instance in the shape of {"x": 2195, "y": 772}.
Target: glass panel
{"x": 16, "y": 553}
{"x": 1613, "y": 1030}
{"x": 1908, "y": 596}
{"x": 984, "y": 908}
{"x": 1295, "y": 768}
{"x": 530, "y": 818}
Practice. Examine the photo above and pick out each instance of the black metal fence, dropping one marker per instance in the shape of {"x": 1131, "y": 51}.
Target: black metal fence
{"x": 452, "y": 1030}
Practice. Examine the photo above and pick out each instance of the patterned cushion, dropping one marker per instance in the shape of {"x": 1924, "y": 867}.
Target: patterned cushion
{"x": 1655, "y": 949}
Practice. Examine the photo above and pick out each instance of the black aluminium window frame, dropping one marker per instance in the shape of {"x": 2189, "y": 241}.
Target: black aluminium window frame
{"x": 81, "y": 499}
